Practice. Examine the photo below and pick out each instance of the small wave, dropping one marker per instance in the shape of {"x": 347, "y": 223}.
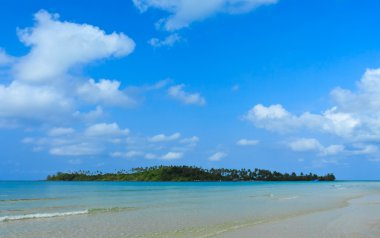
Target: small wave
{"x": 42, "y": 215}
{"x": 338, "y": 187}
{"x": 111, "y": 209}
{"x": 268, "y": 195}
{"x": 61, "y": 214}
{"x": 288, "y": 198}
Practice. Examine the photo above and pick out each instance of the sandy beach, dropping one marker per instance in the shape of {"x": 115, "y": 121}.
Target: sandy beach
{"x": 358, "y": 219}
{"x": 190, "y": 210}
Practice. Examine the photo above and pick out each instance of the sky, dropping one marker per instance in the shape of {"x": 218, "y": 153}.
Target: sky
{"x": 283, "y": 85}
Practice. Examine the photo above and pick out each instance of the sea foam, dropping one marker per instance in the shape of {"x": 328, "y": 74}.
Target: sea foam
{"x": 42, "y": 215}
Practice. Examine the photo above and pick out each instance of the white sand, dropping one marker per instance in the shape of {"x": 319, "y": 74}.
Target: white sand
{"x": 360, "y": 218}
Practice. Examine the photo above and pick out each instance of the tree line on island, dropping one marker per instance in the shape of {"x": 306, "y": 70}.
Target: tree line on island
{"x": 188, "y": 173}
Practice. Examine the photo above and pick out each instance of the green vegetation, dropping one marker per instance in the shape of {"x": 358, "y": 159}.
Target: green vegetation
{"x": 187, "y": 173}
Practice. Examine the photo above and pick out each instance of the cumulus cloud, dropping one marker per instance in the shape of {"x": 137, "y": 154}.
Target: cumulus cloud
{"x": 184, "y": 12}
{"x": 44, "y": 86}
{"x": 112, "y": 140}
{"x": 190, "y": 141}
{"x": 354, "y": 117}
{"x": 164, "y": 138}
{"x": 178, "y": 93}
{"x": 66, "y": 141}
{"x": 61, "y": 131}
{"x": 332, "y": 150}
{"x": 58, "y": 46}
{"x": 312, "y": 144}
{"x": 158, "y": 147}
{"x": 168, "y": 41}
{"x": 245, "y": 142}
{"x": 26, "y": 101}
{"x": 172, "y": 156}
{"x": 158, "y": 85}
{"x": 305, "y": 144}
{"x": 128, "y": 154}
{"x": 104, "y": 92}
{"x": 89, "y": 116}
{"x": 218, "y": 156}
{"x": 104, "y": 129}
{"x": 75, "y": 150}
{"x": 277, "y": 118}
{"x": 150, "y": 156}
{"x": 363, "y": 149}
{"x": 5, "y": 59}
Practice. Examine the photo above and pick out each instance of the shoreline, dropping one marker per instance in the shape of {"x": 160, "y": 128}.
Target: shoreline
{"x": 332, "y": 222}
{"x": 193, "y": 210}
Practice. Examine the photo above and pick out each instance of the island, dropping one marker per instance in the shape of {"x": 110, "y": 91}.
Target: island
{"x": 187, "y": 174}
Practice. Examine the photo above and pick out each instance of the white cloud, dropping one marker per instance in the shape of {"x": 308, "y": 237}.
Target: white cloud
{"x": 148, "y": 87}
{"x": 61, "y": 131}
{"x": 184, "y": 12}
{"x": 132, "y": 154}
{"x": 178, "y": 93}
{"x": 218, "y": 156}
{"x": 172, "y": 156}
{"x": 191, "y": 141}
{"x": 362, "y": 149}
{"x": 128, "y": 154}
{"x": 340, "y": 123}
{"x": 44, "y": 87}
{"x": 366, "y": 94}
{"x": 109, "y": 139}
{"x": 58, "y": 46}
{"x": 93, "y": 140}
{"x": 276, "y": 118}
{"x": 272, "y": 112}
{"x": 104, "y": 129}
{"x": 305, "y": 144}
{"x": 312, "y": 144}
{"x": 105, "y": 91}
{"x": 168, "y": 41}
{"x": 164, "y": 138}
{"x": 25, "y": 101}
{"x": 354, "y": 117}
{"x": 90, "y": 115}
{"x": 5, "y": 59}
{"x": 160, "y": 84}
{"x": 75, "y": 150}
{"x": 332, "y": 150}
{"x": 245, "y": 142}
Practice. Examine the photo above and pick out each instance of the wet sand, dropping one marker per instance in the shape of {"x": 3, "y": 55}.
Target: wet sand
{"x": 358, "y": 219}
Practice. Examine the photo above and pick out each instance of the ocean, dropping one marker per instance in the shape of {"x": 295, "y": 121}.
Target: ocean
{"x": 169, "y": 209}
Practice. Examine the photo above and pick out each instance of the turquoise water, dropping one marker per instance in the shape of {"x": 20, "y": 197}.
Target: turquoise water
{"x": 143, "y": 209}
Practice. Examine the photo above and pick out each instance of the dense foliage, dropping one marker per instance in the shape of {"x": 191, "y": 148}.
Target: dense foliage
{"x": 187, "y": 173}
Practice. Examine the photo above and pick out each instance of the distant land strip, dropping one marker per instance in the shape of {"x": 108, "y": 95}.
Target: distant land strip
{"x": 188, "y": 174}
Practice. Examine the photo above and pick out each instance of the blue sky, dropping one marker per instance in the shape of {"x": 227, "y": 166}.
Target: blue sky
{"x": 284, "y": 85}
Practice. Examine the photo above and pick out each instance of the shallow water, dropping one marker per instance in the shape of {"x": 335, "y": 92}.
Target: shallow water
{"x": 144, "y": 209}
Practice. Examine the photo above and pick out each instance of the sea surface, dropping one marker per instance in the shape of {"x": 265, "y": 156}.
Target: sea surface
{"x": 163, "y": 209}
